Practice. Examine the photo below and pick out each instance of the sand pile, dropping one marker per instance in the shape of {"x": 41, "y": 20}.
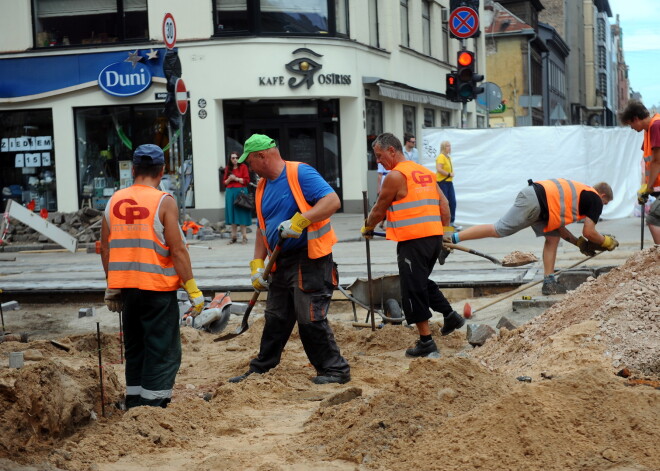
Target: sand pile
{"x": 613, "y": 321}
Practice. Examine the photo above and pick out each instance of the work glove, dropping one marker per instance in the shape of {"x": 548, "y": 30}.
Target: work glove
{"x": 610, "y": 243}
{"x": 454, "y": 238}
{"x": 292, "y": 228}
{"x": 643, "y": 194}
{"x": 444, "y": 253}
{"x": 195, "y": 295}
{"x": 367, "y": 231}
{"x": 257, "y": 269}
{"x": 586, "y": 248}
{"x": 112, "y": 299}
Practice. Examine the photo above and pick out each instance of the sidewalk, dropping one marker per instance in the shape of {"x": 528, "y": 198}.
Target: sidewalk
{"x": 220, "y": 267}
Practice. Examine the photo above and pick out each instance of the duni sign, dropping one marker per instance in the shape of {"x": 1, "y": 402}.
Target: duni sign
{"x": 122, "y": 79}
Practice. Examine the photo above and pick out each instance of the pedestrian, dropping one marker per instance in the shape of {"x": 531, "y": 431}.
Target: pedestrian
{"x": 237, "y": 179}
{"x": 416, "y": 211}
{"x": 409, "y": 149}
{"x": 445, "y": 178}
{"x": 548, "y": 206}
{"x": 294, "y": 202}
{"x": 146, "y": 261}
{"x": 638, "y": 118}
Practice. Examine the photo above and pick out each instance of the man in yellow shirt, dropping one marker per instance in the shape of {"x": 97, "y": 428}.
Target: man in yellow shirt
{"x": 445, "y": 178}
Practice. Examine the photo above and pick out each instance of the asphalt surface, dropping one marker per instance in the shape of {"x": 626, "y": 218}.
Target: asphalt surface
{"x": 221, "y": 267}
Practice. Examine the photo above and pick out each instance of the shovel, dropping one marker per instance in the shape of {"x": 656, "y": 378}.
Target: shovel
{"x": 475, "y": 252}
{"x": 244, "y": 325}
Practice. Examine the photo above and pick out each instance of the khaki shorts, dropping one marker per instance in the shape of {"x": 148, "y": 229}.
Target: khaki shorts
{"x": 653, "y": 218}
{"x": 525, "y": 212}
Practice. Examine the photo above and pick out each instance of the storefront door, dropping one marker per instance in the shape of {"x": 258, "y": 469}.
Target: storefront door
{"x": 309, "y": 138}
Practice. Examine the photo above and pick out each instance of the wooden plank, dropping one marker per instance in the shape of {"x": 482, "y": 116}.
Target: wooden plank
{"x": 41, "y": 225}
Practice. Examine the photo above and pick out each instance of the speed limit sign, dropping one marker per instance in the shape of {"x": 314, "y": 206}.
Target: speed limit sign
{"x": 169, "y": 31}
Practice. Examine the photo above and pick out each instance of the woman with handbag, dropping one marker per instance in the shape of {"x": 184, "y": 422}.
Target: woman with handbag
{"x": 237, "y": 178}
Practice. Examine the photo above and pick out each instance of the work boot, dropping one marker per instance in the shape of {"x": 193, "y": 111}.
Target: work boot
{"x": 552, "y": 286}
{"x": 453, "y": 321}
{"x": 422, "y": 349}
{"x": 238, "y": 379}
{"x": 328, "y": 379}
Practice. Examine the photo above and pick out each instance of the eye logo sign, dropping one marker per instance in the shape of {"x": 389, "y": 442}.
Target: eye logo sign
{"x": 132, "y": 212}
{"x": 303, "y": 70}
{"x": 422, "y": 178}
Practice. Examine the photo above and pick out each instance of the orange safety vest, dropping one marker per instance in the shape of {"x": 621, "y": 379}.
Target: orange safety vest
{"x": 563, "y": 198}
{"x": 137, "y": 258}
{"x": 648, "y": 155}
{"x": 320, "y": 235}
{"x": 416, "y": 215}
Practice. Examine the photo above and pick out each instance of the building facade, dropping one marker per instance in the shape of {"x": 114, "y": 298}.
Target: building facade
{"x": 83, "y": 84}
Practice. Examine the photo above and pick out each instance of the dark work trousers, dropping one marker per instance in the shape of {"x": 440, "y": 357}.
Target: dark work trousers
{"x": 300, "y": 290}
{"x": 152, "y": 345}
{"x": 416, "y": 259}
{"x": 448, "y": 189}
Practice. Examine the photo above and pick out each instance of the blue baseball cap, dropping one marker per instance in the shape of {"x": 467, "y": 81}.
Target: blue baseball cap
{"x": 148, "y": 154}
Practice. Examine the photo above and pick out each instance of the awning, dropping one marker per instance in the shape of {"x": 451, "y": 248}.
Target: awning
{"x": 403, "y": 92}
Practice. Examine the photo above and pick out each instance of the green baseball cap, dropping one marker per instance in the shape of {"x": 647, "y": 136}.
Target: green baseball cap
{"x": 255, "y": 143}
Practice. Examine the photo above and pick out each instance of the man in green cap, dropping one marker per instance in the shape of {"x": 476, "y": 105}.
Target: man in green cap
{"x": 294, "y": 202}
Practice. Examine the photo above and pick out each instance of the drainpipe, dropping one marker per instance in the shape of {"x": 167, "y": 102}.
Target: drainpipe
{"x": 529, "y": 77}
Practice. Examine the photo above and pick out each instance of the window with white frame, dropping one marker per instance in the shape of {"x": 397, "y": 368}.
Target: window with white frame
{"x": 426, "y": 27}
{"x": 409, "y": 124}
{"x": 83, "y": 22}
{"x": 429, "y": 118}
{"x": 405, "y": 35}
{"x": 445, "y": 34}
{"x": 373, "y": 23}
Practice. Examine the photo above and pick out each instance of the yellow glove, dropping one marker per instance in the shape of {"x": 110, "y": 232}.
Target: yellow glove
{"x": 643, "y": 194}
{"x": 195, "y": 295}
{"x": 610, "y": 243}
{"x": 112, "y": 299}
{"x": 292, "y": 228}
{"x": 448, "y": 230}
{"x": 367, "y": 231}
{"x": 257, "y": 270}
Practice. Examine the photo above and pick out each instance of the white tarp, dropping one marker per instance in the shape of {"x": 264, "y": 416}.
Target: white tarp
{"x": 493, "y": 165}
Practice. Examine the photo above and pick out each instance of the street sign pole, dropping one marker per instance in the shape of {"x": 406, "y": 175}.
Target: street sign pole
{"x": 464, "y": 107}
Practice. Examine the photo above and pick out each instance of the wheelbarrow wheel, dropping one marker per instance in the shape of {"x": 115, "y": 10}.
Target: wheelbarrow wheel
{"x": 393, "y": 310}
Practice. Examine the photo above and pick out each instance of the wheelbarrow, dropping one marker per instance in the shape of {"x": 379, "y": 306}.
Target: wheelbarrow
{"x": 386, "y": 293}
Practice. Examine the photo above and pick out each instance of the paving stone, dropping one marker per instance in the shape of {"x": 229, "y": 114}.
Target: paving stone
{"x": 571, "y": 279}
{"x": 86, "y": 312}
{"x": 477, "y": 334}
{"x": 506, "y": 323}
{"x": 11, "y": 306}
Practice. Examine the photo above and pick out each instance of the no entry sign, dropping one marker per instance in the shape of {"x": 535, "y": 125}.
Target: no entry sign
{"x": 463, "y": 22}
{"x": 169, "y": 31}
{"x": 181, "y": 96}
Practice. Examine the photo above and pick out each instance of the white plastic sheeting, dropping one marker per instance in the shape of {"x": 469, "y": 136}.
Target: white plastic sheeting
{"x": 493, "y": 165}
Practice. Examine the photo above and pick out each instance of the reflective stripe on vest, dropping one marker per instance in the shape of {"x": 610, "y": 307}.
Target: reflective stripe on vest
{"x": 648, "y": 155}
{"x": 320, "y": 235}
{"x": 138, "y": 259}
{"x": 563, "y": 199}
{"x": 416, "y": 215}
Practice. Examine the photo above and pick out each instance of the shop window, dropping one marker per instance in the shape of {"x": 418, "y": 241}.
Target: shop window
{"x": 374, "y": 128}
{"x": 83, "y": 22}
{"x": 409, "y": 122}
{"x": 106, "y": 138}
{"x": 288, "y": 17}
{"x": 445, "y": 119}
{"x": 27, "y": 159}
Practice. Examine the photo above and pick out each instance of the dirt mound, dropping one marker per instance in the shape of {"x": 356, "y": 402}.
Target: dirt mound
{"x": 611, "y": 320}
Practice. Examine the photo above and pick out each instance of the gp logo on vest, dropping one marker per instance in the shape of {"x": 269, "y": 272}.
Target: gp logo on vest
{"x": 422, "y": 178}
{"x": 132, "y": 212}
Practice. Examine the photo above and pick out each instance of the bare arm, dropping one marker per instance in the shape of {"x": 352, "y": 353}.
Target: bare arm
{"x": 394, "y": 187}
{"x": 324, "y": 208}
{"x": 260, "y": 250}
{"x": 445, "y": 212}
{"x": 590, "y": 233}
{"x": 169, "y": 215}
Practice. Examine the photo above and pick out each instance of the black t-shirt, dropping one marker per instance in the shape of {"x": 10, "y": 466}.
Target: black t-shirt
{"x": 589, "y": 203}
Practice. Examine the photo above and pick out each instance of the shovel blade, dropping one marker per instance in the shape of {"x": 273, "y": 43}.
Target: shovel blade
{"x": 242, "y": 328}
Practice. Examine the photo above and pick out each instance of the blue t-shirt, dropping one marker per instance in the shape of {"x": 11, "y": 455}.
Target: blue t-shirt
{"x": 278, "y": 203}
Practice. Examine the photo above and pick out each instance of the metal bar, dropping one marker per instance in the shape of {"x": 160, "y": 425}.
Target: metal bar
{"x": 98, "y": 343}
{"x": 365, "y": 206}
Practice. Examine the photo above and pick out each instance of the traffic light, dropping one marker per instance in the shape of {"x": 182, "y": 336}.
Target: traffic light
{"x": 466, "y": 78}
{"x": 451, "y": 86}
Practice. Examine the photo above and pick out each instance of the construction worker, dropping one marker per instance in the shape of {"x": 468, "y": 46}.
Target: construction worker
{"x": 146, "y": 261}
{"x": 638, "y": 118}
{"x": 416, "y": 210}
{"x": 547, "y": 207}
{"x": 294, "y": 202}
